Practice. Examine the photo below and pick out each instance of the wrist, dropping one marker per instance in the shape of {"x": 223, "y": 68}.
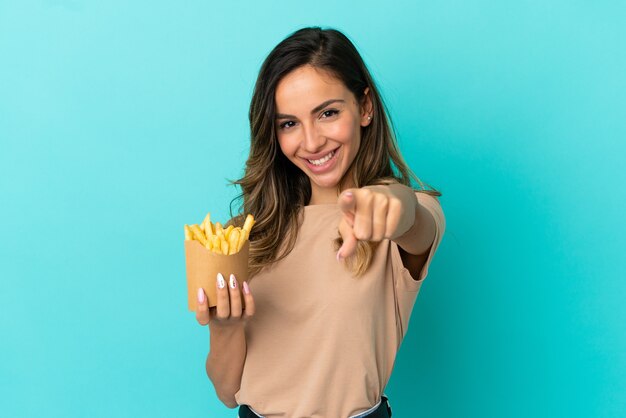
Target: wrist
{"x": 222, "y": 331}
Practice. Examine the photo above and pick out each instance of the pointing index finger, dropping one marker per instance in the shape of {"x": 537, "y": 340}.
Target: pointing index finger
{"x": 347, "y": 204}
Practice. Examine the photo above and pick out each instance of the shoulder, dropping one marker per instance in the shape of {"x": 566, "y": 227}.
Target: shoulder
{"x": 423, "y": 195}
{"x": 430, "y": 199}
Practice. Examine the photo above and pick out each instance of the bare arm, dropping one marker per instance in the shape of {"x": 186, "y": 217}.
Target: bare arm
{"x": 224, "y": 363}
{"x": 226, "y": 321}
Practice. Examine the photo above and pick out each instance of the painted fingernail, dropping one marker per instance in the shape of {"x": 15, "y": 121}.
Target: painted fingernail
{"x": 246, "y": 289}
{"x": 233, "y": 282}
{"x": 339, "y": 256}
{"x": 348, "y": 194}
{"x": 200, "y": 295}
{"x": 220, "y": 281}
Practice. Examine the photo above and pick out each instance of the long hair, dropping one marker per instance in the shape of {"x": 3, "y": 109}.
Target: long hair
{"x": 273, "y": 189}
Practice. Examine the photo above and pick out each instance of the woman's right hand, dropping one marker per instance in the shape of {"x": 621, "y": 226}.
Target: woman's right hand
{"x": 228, "y": 313}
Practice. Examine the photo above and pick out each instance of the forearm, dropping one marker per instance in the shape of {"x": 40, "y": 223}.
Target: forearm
{"x": 224, "y": 364}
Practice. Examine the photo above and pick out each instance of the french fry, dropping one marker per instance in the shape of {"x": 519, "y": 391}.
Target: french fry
{"x": 218, "y": 228}
{"x": 242, "y": 239}
{"x": 217, "y": 246}
{"x": 248, "y": 224}
{"x": 227, "y": 231}
{"x": 233, "y": 241}
{"x": 208, "y": 227}
{"x": 198, "y": 234}
{"x": 224, "y": 247}
{"x": 220, "y": 236}
{"x": 188, "y": 234}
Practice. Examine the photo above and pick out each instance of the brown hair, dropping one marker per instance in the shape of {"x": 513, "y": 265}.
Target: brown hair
{"x": 274, "y": 190}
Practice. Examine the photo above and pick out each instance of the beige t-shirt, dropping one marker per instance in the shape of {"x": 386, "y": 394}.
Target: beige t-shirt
{"x": 323, "y": 343}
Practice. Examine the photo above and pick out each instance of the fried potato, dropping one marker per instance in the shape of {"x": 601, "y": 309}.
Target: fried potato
{"x": 198, "y": 234}
{"x": 208, "y": 226}
{"x": 217, "y": 247}
{"x": 248, "y": 224}
{"x": 242, "y": 239}
{"x": 227, "y": 231}
{"x": 233, "y": 241}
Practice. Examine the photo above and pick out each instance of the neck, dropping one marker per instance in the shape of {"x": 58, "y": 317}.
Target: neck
{"x": 327, "y": 195}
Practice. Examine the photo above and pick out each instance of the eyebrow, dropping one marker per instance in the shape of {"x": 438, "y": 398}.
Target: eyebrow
{"x": 315, "y": 110}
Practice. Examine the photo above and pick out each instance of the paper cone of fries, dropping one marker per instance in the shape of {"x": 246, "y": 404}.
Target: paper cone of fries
{"x": 203, "y": 266}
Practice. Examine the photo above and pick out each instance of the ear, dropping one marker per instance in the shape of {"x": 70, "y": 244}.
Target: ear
{"x": 366, "y": 108}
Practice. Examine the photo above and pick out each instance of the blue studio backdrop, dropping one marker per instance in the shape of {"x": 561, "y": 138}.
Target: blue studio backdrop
{"x": 122, "y": 121}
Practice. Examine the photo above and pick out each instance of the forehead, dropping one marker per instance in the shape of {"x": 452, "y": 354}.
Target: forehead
{"x": 306, "y": 87}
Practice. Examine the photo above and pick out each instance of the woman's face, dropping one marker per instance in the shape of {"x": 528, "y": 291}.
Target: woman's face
{"x": 318, "y": 124}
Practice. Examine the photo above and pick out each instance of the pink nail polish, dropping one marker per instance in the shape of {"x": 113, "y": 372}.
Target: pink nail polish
{"x": 200, "y": 295}
{"x": 220, "y": 281}
{"x": 246, "y": 289}
{"x": 339, "y": 256}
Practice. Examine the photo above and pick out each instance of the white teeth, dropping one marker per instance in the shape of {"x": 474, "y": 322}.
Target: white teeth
{"x": 322, "y": 160}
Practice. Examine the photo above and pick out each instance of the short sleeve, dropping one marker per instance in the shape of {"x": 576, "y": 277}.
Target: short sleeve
{"x": 407, "y": 281}
{"x": 406, "y": 287}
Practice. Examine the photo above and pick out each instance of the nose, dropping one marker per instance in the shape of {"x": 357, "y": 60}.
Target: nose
{"x": 313, "y": 142}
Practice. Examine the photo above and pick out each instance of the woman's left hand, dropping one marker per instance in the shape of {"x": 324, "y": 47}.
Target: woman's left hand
{"x": 374, "y": 213}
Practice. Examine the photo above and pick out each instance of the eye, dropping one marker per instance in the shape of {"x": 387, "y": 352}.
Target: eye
{"x": 331, "y": 112}
{"x": 284, "y": 125}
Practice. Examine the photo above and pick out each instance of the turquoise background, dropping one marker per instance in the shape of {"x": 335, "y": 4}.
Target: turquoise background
{"x": 121, "y": 121}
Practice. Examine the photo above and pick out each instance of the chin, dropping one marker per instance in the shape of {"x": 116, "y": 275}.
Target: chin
{"x": 325, "y": 183}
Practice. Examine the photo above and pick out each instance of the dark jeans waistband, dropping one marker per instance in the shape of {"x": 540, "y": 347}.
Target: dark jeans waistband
{"x": 383, "y": 410}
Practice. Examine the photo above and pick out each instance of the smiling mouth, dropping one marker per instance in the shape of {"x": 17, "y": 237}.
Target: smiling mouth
{"x": 320, "y": 162}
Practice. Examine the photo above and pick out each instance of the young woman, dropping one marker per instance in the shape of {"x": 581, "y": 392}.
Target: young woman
{"x": 340, "y": 248}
